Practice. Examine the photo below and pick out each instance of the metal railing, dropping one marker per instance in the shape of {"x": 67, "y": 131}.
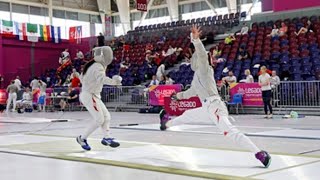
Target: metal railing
{"x": 134, "y": 97}
{"x": 297, "y": 94}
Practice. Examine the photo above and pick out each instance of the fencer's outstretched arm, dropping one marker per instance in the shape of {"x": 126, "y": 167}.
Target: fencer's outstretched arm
{"x": 103, "y": 79}
{"x": 200, "y": 51}
{"x": 187, "y": 94}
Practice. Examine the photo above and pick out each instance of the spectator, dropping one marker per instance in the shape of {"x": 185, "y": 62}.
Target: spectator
{"x": 64, "y": 57}
{"x": 74, "y": 73}
{"x": 67, "y": 81}
{"x": 230, "y": 78}
{"x": 100, "y": 40}
{"x": 154, "y": 81}
{"x": 229, "y": 39}
{"x": 73, "y": 97}
{"x": 79, "y": 55}
{"x": 264, "y": 82}
{"x": 283, "y": 30}
{"x": 169, "y": 81}
{"x": 42, "y": 96}
{"x": 17, "y": 82}
{"x": 1, "y": 81}
{"x": 244, "y": 30}
{"x": 160, "y": 71}
{"x": 249, "y": 77}
{"x": 34, "y": 83}
{"x": 275, "y": 31}
{"x": 242, "y": 54}
{"x": 169, "y": 52}
{"x": 126, "y": 63}
{"x": 162, "y": 80}
{"x": 187, "y": 60}
{"x": 12, "y": 90}
{"x": 75, "y": 81}
{"x": 26, "y": 100}
{"x": 275, "y": 80}
{"x": 305, "y": 29}
{"x": 179, "y": 54}
{"x": 58, "y": 81}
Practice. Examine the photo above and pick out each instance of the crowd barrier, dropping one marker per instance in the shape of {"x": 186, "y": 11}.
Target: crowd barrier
{"x": 287, "y": 94}
{"x": 297, "y": 94}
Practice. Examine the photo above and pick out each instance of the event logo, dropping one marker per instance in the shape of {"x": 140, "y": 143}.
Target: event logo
{"x": 164, "y": 93}
{"x": 249, "y": 90}
{"x": 173, "y": 105}
{"x": 182, "y": 105}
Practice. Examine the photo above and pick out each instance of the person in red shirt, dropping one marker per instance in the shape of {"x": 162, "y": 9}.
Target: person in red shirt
{"x": 75, "y": 81}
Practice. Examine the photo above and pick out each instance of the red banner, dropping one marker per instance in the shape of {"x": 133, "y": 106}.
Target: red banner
{"x": 108, "y": 22}
{"x": 72, "y": 34}
{"x": 158, "y": 93}
{"x": 176, "y": 108}
{"x": 142, "y": 5}
{"x": 3, "y": 96}
{"x": 252, "y": 94}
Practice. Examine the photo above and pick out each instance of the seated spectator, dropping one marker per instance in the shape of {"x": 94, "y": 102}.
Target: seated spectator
{"x": 229, "y": 39}
{"x": 169, "y": 81}
{"x": 67, "y": 81}
{"x": 79, "y": 55}
{"x": 230, "y": 78}
{"x": 26, "y": 101}
{"x": 74, "y": 73}
{"x": 275, "y": 80}
{"x": 75, "y": 82}
{"x": 283, "y": 30}
{"x": 154, "y": 81}
{"x": 242, "y": 54}
{"x": 244, "y": 30}
{"x": 305, "y": 29}
{"x": 249, "y": 77}
{"x": 275, "y": 31}
{"x": 160, "y": 71}
{"x": 125, "y": 64}
{"x": 170, "y": 51}
{"x": 162, "y": 80}
{"x": 187, "y": 60}
{"x": 72, "y": 97}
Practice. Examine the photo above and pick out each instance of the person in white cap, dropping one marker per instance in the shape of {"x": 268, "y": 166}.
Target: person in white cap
{"x": 93, "y": 78}
{"x": 213, "y": 108}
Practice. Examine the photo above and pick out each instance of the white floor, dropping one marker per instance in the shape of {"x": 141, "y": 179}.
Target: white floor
{"x": 147, "y": 153}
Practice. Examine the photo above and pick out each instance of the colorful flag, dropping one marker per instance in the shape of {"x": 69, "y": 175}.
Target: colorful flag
{"x": 32, "y": 34}
{"x": 45, "y": 34}
{"x": 79, "y": 34}
{"x": 20, "y": 31}
{"x": 72, "y": 34}
{"x": 56, "y": 34}
{"x": 7, "y": 28}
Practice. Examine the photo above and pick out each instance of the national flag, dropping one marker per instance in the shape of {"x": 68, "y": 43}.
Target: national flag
{"x": 7, "y": 28}
{"x": 79, "y": 34}
{"x": 72, "y": 34}
{"x": 20, "y": 31}
{"x": 56, "y": 34}
{"x": 45, "y": 34}
{"x": 32, "y": 32}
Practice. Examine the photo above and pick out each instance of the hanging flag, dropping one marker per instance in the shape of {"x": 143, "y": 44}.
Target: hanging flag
{"x": 7, "y": 28}
{"x": 32, "y": 32}
{"x": 20, "y": 31}
{"x": 72, "y": 34}
{"x": 79, "y": 34}
{"x": 45, "y": 32}
{"x": 56, "y": 34}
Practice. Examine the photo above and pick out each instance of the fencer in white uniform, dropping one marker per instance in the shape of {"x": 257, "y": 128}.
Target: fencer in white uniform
{"x": 213, "y": 108}
{"x": 93, "y": 78}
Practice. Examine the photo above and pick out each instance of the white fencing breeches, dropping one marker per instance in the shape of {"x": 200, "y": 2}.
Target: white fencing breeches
{"x": 12, "y": 97}
{"x": 98, "y": 111}
{"x": 214, "y": 110}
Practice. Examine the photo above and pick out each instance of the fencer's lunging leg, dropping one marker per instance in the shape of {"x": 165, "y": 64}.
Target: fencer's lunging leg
{"x": 219, "y": 115}
{"x": 192, "y": 115}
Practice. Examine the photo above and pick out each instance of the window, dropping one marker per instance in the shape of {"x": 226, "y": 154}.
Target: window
{"x": 4, "y": 6}
{"x": 17, "y": 8}
{"x": 58, "y": 14}
{"x": 71, "y": 15}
